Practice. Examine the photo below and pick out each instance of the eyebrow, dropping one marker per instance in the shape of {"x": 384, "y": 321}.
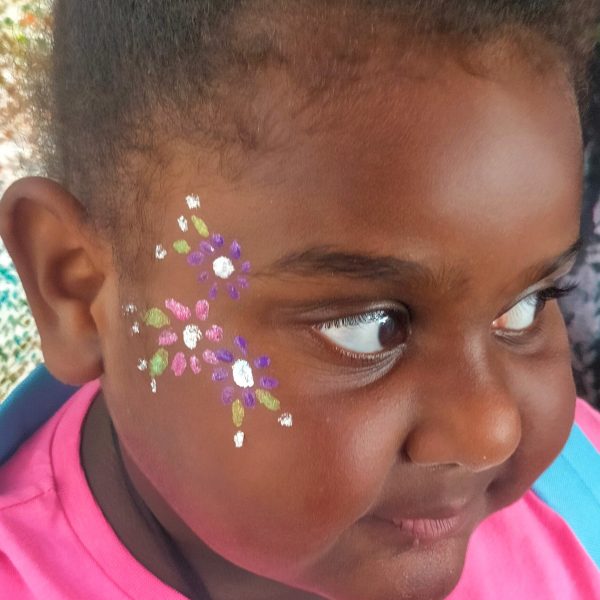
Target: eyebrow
{"x": 325, "y": 261}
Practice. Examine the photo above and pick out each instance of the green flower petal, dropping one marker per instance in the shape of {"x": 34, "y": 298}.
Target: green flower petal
{"x": 159, "y": 362}
{"x": 181, "y": 247}
{"x": 237, "y": 413}
{"x": 268, "y": 400}
{"x": 200, "y": 226}
{"x": 156, "y": 318}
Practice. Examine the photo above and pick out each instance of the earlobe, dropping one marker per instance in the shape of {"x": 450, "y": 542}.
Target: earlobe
{"x": 62, "y": 264}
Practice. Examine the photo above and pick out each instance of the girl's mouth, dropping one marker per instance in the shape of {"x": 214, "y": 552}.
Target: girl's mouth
{"x": 431, "y": 529}
{"x": 434, "y": 525}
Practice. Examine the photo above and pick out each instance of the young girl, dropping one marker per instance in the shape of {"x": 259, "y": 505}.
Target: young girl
{"x": 302, "y": 260}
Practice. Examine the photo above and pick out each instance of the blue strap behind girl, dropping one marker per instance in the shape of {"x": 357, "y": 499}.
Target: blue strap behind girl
{"x": 28, "y": 406}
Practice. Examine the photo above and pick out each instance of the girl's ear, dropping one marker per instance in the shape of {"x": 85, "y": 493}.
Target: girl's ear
{"x": 63, "y": 265}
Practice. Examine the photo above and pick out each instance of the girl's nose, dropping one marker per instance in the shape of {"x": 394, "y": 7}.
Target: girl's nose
{"x": 475, "y": 426}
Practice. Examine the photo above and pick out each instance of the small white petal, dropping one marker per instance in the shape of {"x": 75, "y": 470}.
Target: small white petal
{"x": 193, "y": 201}
{"x": 129, "y": 309}
{"x": 160, "y": 252}
{"x": 135, "y": 328}
{"x": 223, "y": 267}
{"x": 242, "y": 374}
{"x": 183, "y": 223}
{"x": 286, "y": 420}
{"x": 238, "y": 439}
{"x": 142, "y": 364}
{"x": 153, "y": 386}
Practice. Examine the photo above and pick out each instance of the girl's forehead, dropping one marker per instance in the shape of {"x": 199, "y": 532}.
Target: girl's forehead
{"x": 413, "y": 166}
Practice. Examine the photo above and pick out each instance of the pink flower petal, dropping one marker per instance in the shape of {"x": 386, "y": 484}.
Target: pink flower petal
{"x": 179, "y": 364}
{"x": 181, "y": 312}
{"x": 202, "y": 309}
{"x": 167, "y": 338}
{"x": 195, "y": 365}
{"x": 214, "y": 334}
{"x": 210, "y": 357}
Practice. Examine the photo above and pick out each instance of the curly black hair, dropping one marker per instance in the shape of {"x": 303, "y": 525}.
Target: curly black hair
{"x": 117, "y": 64}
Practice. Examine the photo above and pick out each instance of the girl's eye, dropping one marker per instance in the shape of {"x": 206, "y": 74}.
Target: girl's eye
{"x": 522, "y": 315}
{"x": 368, "y": 333}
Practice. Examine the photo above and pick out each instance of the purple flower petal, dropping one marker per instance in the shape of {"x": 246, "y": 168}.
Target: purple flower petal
{"x": 220, "y": 375}
{"x": 224, "y": 356}
{"x": 241, "y": 343}
{"x": 235, "y": 250}
{"x": 203, "y": 276}
{"x": 212, "y": 293}
{"x": 249, "y": 399}
{"x": 262, "y": 362}
{"x": 233, "y": 292}
{"x": 217, "y": 240}
{"x": 206, "y": 247}
{"x": 227, "y": 395}
{"x": 268, "y": 383}
{"x": 195, "y": 258}
{"x": 242, "y": 282}
{"x": 246, "y": 267}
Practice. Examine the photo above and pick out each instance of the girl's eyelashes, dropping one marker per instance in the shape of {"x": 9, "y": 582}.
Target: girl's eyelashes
{"x": 367, "y": 333}
{"x": 374, "y": 332}
{"x": 522, "y": 316}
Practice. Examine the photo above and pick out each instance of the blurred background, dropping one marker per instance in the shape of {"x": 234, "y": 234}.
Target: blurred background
{"x": 23, "y": 33}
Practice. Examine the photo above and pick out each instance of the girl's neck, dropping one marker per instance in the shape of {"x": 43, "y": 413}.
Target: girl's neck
{"x": 148, "y": 539}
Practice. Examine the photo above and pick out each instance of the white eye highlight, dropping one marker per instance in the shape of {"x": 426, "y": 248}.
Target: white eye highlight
{"x": 367, "y": 333}
{"x": 521, "y": 316}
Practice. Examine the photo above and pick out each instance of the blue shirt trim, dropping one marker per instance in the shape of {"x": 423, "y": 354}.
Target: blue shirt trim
{"x": 571, "y": 487}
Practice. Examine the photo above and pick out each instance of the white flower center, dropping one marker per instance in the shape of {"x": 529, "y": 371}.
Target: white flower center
{"x": 191, "y": 335}
{"x": 223, "y": 267}
{"x": 242, "y": 374}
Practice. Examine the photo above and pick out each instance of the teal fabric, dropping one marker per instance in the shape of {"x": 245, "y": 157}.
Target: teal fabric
{"x": 571, "y": 487}
{"x": 30, "y": 405}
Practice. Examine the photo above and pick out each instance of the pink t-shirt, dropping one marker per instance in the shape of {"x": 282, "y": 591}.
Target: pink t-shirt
{"x": 55, "y": 543}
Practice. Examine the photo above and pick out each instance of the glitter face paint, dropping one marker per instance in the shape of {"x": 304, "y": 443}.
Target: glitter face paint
{"x": 188, "y": 345}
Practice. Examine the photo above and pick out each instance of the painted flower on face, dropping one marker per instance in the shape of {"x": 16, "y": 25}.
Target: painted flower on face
{"x": 185, "y": 340}
{"x": 179, "y": 334}
{"x": 220, "y": 265}
{"x": 246, "y": 382}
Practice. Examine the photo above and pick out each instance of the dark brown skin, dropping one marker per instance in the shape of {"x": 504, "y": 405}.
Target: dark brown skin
{"x": 477, "y": 182}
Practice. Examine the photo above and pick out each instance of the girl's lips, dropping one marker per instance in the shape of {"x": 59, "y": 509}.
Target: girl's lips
{"x": 431, "y": 529}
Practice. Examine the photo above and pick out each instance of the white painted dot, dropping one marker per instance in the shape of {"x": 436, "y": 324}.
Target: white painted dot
{"x": 242, "y": 374}
{"x": 191, "y": 336}
{"x": 153, "y": 386}
{"x": 193, "y": 201}
{"x": 160, "y": 252}
{"x": 183, "y": 223}
{"x": 286, "y": 420}
{"x": 238, "y": 439}
{"x": 129, "y": 309}
{"x": 223, "y": 267}
{"x": 142, "y": 364}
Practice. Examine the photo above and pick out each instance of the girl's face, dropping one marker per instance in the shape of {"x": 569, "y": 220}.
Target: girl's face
{"x": 399, "y": 263}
